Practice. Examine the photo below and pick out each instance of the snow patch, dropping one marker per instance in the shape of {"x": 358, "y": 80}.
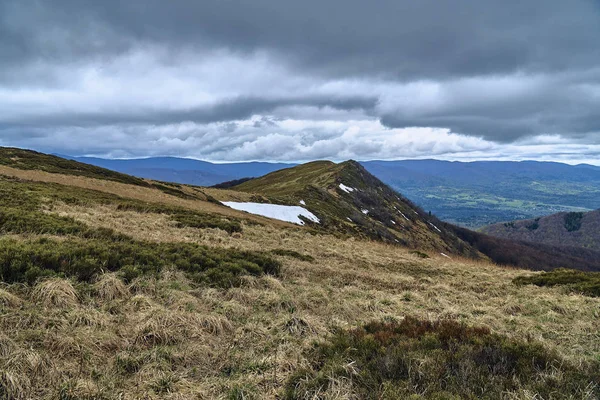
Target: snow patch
{"x": 446, "y": 255}
{"x": 348, "y": 218}
{"x": 364, "y": 211}
{"x": 436, "y": 228}
{"x": 405, "y": 217}
{"x": 392, "y": 221}
{"x": 275, "y": 211}
{"x": 346, "y": 189}
{"x": 302, "y": 202}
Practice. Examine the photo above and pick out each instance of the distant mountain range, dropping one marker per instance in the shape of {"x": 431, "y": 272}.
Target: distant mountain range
{"x": 470, "y": 194}
{"x": 184, "y": 170}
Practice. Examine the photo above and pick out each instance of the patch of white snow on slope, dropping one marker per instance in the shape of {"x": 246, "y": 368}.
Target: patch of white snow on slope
{"x": 405, "y": 217}
{"x": 365, "y": 211}
{"x": 346, "y": 189}
{"x": 302, "y": 202}
{"x": 446, "y": 255}
{"x": 392, "y": 221}
{"x": 275, "y": 211}
{"x": 436, "y": 228}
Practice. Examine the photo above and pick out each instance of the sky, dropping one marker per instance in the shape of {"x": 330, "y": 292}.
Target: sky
{"x": 276, "y": 80}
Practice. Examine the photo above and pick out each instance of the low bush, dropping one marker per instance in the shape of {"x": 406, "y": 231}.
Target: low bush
{"x": 202, "y": 221}
{"x": 437, "y": 360}
{"x": 419, "y": 254}
{"x": 29, "y": 260}
{"x": 587, "y": 283}
{"x": 293, "y": 254}
{"x": 573, "y": 221}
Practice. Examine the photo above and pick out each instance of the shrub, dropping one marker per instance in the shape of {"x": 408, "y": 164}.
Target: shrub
{"x": 573, "y": 221}
{"x": 197, "y": 220}
{"x": 587, "y": 283}
{"x": 29, "y": 260}
{"x": 534, "y": 225}
{"x": 293, "y": 254}
{"x": 437, "y": 360}
{"x": 419, "y": 254}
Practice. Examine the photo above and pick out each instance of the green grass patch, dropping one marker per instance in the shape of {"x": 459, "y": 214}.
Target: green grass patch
{"x": 587, "y": 283}
{"x": 29, "y": 260}
{"x": 293, "y": 254}
{"x": 445, "y": 359}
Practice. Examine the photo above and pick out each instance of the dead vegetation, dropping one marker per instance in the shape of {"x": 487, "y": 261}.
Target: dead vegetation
{"x": 164, "y": 335}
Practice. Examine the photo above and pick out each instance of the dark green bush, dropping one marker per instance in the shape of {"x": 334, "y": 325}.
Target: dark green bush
{"x": 534, "y": 225}
{"x": 419, "y": 254}
{"x": 438, "y": 360}
{"x": 26, "y": 261}
{"x": 198, "y": 220}
{"x": 573, "y": 221}
{"x": 587, "y": 283}
{"x": 293, "y": 254}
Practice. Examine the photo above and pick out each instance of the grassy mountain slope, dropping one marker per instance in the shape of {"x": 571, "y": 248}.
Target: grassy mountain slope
{"x": 112, "y": 290}
{"x": 32, "y": 160}
{"x": 576, "y": 229}
{"x": 394, "y": 219}
{"x": 348, "y": 199}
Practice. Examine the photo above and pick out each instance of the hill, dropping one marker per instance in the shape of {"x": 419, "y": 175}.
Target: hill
{"x": 480, "y": 193}
{"x": 576, "y": 229}
{"x": 122, "y": 290}
{"x": 349, "y": 200}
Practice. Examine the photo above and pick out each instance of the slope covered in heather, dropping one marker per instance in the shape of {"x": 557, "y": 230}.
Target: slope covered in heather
{"x": 576, "y": 229}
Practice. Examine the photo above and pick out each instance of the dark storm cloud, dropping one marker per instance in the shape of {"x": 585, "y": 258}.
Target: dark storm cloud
{"x": 228, "y": 110}
{"x": 501, "y": 71}
{"x": 405, "y": 39}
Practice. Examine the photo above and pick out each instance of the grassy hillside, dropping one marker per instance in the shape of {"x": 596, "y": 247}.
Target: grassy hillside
{"x": 34, "y": 161}
{"x": 112, "y": 290}
{"x": 349, "y": 200}
{"x": 576, "y": 229}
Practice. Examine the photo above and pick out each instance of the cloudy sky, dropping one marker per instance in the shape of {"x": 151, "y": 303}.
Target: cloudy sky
{"x": 233, "y": 80}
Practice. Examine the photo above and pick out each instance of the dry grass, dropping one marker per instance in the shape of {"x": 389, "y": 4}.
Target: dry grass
{"x": 109, "y": 288}
{"x": 134, "y": 192}
{"x": 163, "y": 337}
{"x": 55, "y": 293}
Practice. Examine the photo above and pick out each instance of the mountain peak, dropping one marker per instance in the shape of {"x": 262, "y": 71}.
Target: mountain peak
{"x": 349, "y": 200}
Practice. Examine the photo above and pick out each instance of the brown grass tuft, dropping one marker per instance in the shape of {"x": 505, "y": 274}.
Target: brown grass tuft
{"x": 7, "y": 346}
{"x": 109, "y": 287}
{"x": 13, "y": 386}
{"x": 8, "y": 299}
{"x": 55, "y": 292}
{"x": 163, "y": 328}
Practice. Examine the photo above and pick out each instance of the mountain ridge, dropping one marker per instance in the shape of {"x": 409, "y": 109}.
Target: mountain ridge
{"x": 470, "y": 194}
